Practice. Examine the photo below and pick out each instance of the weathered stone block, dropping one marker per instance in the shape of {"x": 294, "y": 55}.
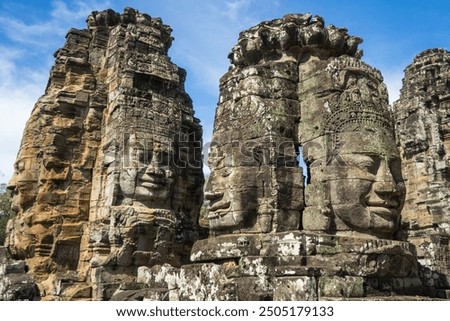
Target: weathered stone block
{"x": 226, "y": 246}
{"x": 164, "y": 276}
{"x": 294, "y": 270}
{"x": 16, "y": 267}
{"x": 394, "y": 286}
{"x": 295, "y": 289}
{"x": 3, "y": 255}
{"x": 253, "y": 289}
{"x": 341, "y": 287}
{"x": 77, "y": 292}
{"x": 257, "y": 265}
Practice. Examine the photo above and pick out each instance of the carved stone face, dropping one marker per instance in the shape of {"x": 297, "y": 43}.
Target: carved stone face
{"x": 251, "y": 186}
{"x": 24, "y": 183}
{"x": 148, "y": 177}
{"x": 231, "y": 191}
{"x": 232, "y": 203}
{"x": 356, "y": 184}
{"x": 365, "y": 183}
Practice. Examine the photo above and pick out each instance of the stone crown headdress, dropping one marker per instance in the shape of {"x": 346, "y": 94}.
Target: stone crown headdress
{"x": 352, "y": 109}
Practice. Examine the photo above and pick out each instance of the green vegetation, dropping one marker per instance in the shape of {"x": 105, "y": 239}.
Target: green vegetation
{"x": 5, "y": 211}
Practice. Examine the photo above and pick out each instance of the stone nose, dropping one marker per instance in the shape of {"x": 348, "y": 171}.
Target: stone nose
{"x": 12, "y": 184}
{"x": 154, "y": 170}
{"x": 384, "y": 183}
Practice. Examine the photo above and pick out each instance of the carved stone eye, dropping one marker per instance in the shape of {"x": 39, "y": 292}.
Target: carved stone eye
{"x": 367, "y": 163}
{"x": 20, "y": 166}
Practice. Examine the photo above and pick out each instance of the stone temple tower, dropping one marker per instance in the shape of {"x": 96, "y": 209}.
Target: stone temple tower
{"x": 108, "y": 176}
{"x": 422, "y": 123}
{"x": 108, "y": 181}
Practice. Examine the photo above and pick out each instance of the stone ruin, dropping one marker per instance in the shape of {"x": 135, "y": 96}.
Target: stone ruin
{"x": 108, "y": 183}
{"x": 423, "y": 131}
{"x": 108, "y": 176}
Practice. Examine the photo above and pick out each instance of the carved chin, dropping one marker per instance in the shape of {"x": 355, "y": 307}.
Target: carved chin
{"x": 23, "y": 202}
{"x": 378, "y": 220}
{"x": 221, "y": 220}
{"x": 384, "y": 219}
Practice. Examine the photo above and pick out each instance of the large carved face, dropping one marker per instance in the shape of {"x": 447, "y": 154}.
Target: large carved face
{"x": 356, "y": 183}
{"x": 365, "y": 183}
{"x": 24, "y": 183}
{"x": 231, "y": 190}
{"x": 147, "y": 173}
{"x": 249, "y": 183}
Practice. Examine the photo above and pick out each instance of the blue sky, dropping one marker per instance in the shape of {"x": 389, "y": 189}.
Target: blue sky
{"x": 394, "y": 32}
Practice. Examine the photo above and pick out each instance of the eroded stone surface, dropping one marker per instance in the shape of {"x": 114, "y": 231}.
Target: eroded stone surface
{"x": 109, "y": 169}
{"x": 108, "y": 179}
{"x": 15, "y": 284}
{"x": 296, "y": 83}
{"x": 288, "y": 266}
{"x": 423, "y": 135}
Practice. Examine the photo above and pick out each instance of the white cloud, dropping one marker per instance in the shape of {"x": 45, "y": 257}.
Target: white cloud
{"x": 42, "y": 33}
{"x": 19, "y": 90}
{"x": 202, "y": 48}
{"x": 25, "y": 65}
{"x": 78, "y": 10}
{"x": 19, "y": 31}
{"x": 235, "y": 8}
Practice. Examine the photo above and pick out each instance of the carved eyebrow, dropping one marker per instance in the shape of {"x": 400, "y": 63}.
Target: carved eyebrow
{"x": 359, "y": 157}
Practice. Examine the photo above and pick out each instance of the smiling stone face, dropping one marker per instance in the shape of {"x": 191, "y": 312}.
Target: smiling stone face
{"x": 256, "y": 185}
{"x": 232, "y": 192}
{"x": 356, "y": 183}
{"x": 147, "y": 172}
{"x": 24, "y": 183}
{"x": 365, "y": 184}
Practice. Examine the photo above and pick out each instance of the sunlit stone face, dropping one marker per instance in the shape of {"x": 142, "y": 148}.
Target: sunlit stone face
{"x": 24, "y": 184}
{"x": 233, "y": 206}
{"x": 356, "y": 186}
{"x": 232, "y": 191}
{"x": 365, "y": 183}
{"x": 147, "y": 173}
{"x": 255, "y": 186}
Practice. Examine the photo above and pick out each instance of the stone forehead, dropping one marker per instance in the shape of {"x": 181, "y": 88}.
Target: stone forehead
{"x": 369, "y": 141}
